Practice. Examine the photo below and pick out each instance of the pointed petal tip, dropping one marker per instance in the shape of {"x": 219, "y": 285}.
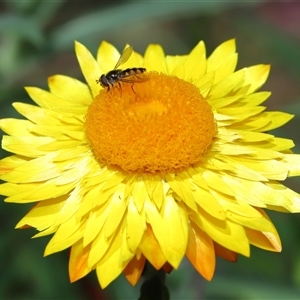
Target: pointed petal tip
{"x": 134, "y": 269}
{"x": 76, "y": 43}
{"x": 167, "y": 268}
{"x": 23, "y": 227}
{"x": 231, "y": 44}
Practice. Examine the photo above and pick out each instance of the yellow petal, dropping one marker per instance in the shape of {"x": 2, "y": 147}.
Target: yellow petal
{"x": 77, "y": 93}
{"x": 264, "y": 240}
{"x": 214, "y": 181}
{"x": 105, "y": 248}
{"x": 115, "y": 179}
{"x": 277, "y": 194}
{"x": 226, "y": 68}
{"x": 200, "y": 252}
{"x": 16, "y": 127}
{"x": 78, "y": 266}
{"x": 260, "y": 224}
{"x": 50, "y": 230}
{"x": 293, "y": 161}
{"x": 241, "y": 188}
{"x": 233, "y": 149}
{"x": 256, "y": 76}
{"x": 24, "y": 145}
{"x": 280, "y": 144}
{"x": 155, "y": 220}
{"x": 107, "y": 57}
{"x": 110, "y": 269}
{"x": 99, "y": 247}
{"x": 139, "y": 194}
{"x": 226, "y": 233}
{"x": 237, "y": 207}
{"x": 155, "y": 59}
{"x": 37, "y": 114}
{"x": 176, "y": 223}
{"x": 25, "y": 193}
{"x": 151, "y": 249}
{"x": 227, "y": 85}
{"x": 206, "y": 201}
{"x": 250, "y": 137}
{"x": 254, "y": 99}
{"x": 43, "y": 214}
{"x": 205, "y": 84}
{"x": 70, "y": 206}
{"x": 134, "y": 269}
{"x": 240, "y": 113}
{"x": 233, "y": 166}
{"x": 276, "y": 119}
{"x": 269, "y": 169}
{"x": 218, "y": 103}
{"x": 218, "y": 56}
{"x": 117, "y": 209}
{"x": 225, "y": 253}
{"x": 47, "y": 102}
{"x": 126, "y": 253}
{"x": 89, "y": 67}
{"x": 195, "y": 64}
{"x": 181, "y": 189}
{"x": 67, "y": 234}
{"x": 136, "y": 60}
{"x": 136, "y": 226}
{"x": 173, "y": 62}
{"x": 9, "y": 163}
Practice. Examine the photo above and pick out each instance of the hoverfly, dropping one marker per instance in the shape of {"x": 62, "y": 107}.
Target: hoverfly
{"x": 116, "y": 75}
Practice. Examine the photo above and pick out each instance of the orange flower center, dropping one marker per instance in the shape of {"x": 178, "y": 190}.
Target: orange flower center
{"x": 159, "y": 125}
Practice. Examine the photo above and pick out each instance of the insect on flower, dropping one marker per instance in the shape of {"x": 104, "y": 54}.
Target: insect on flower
{"x": 116, "y": 75}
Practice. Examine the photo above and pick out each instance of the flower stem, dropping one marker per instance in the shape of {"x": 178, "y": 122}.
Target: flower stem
{"x": 154, "y": 285}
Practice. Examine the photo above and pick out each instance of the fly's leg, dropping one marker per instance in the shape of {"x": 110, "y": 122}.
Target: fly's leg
{"x": 120, "y": 86}
{"x": 133, "y": 88}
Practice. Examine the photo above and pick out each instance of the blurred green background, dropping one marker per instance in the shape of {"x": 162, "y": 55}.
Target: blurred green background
{"x": 37, "y": 41}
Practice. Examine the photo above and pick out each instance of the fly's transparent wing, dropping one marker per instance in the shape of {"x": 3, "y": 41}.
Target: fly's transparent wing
{"x": 124, "y": 56}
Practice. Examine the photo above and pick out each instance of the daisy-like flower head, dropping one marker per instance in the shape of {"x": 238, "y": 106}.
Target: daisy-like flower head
{"x": 175, "y": 161}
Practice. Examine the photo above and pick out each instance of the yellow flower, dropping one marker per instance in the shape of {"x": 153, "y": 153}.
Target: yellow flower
{"x": 178, "y": 163}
